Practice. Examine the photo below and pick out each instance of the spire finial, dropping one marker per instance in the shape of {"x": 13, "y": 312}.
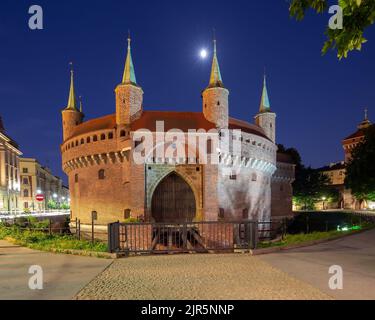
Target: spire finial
{"x": 214, "y": 39}
{"x": 72, "y": 104}
{"x": 129, "y": 73}
{"x": 366, "y": 114}
{"x": 80, "y": 104}
{"x": 264, "y": 76}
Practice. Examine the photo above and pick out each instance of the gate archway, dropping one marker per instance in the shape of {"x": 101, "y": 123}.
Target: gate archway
{"x": 173, "y": 201}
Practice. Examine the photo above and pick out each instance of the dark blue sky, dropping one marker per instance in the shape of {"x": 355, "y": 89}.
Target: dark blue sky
{"x": 318, "y": 100}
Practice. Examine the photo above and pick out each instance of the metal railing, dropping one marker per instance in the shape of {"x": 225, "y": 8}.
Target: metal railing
{"x": 200, "y": 237}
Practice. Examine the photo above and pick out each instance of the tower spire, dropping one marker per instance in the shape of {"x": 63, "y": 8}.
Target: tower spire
{"x": 129, "y": 73}
{"x": 366, "y": 122}
{"x": 265, "y": 105}
{"x": 72, "y": 103}
{"x": 215, "y": 78}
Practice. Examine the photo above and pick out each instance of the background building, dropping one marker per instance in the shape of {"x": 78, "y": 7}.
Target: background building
{"x": 38, "y": 180}
{"x": 337, "y": 171}
{"x": 9, "y": 172}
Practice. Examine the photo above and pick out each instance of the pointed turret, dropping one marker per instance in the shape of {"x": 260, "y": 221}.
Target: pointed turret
{"x": 215, "y": 96}
{"x": 215, "y": 78}
{"x": 129, "y": 72}
{"x": 266, "y": 119}
{"x": 71, "y": 115}
{"x": 72, "y": 102}
{"x": 265, "y": 105}
{"x": 129, "y": 95}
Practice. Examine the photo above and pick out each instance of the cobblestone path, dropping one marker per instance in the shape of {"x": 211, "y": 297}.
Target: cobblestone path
{"x": 195, "y": 276}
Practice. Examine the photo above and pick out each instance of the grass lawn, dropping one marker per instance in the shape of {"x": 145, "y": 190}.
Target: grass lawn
{"x": 292, "y": 239}
{"x": 43, "y": 241}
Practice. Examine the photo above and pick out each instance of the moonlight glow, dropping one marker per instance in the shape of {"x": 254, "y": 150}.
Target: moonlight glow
{"x": 203, "y": 53}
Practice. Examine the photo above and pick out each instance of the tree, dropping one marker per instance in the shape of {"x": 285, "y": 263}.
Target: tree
{"x": 294, "y": 155}
{"x": 357, "y": 16}
{"x": 310, "y": 185}
{"x": 360, "y": 171}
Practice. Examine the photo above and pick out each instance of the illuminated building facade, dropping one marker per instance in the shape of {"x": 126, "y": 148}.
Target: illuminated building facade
{"x": 98, "y": 155}
{"x": 9, "y": 172}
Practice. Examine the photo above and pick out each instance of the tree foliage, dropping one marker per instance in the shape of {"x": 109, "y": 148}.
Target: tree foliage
{"x": 360, "y": 172}
{"x": 310, "y": 185}
{"x": 357, "y": 16}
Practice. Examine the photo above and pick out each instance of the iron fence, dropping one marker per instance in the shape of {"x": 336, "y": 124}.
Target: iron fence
{"x": 201, "y": 237}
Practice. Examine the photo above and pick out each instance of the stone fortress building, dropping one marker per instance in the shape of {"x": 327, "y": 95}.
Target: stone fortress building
{"x": 337, "y": 171}
{"x": 249, "y": 180}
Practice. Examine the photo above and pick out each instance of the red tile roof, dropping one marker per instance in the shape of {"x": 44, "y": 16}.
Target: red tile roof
{"x": 172, "y": 120}
{"x": 106, "y": 122}
{"x": 357, "y": 134}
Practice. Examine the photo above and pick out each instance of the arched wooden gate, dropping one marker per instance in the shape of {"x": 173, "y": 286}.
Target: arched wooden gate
{"x": 173, "y": 201}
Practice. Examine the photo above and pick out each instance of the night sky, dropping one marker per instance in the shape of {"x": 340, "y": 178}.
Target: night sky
{"x": 318, "y": 99}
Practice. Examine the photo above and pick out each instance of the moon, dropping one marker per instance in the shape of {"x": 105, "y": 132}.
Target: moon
{"x": 203, "y": 53}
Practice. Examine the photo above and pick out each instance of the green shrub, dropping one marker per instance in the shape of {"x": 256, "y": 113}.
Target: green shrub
{"x": 44, "y": 241}
{"x": 132, "y": 220}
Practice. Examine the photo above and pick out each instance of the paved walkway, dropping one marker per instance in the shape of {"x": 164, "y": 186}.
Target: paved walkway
{"x": 295, "y": 274}
{"x": 355, "y": 254}
{"x": 64, "y": 275}
{"x": 211, "y": 277}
